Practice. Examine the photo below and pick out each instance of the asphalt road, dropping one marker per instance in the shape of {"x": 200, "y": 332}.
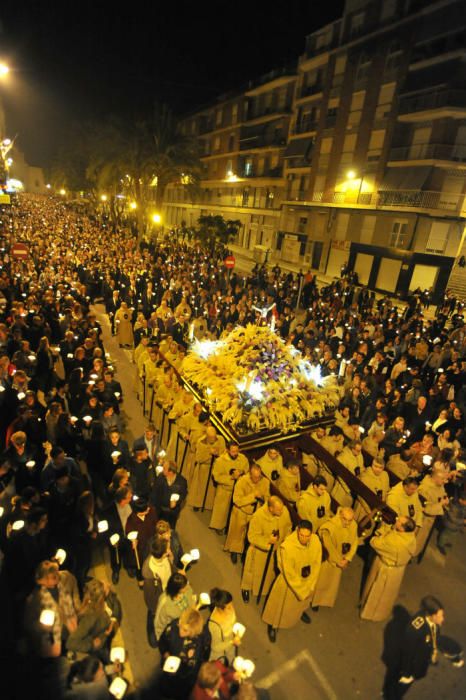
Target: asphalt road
{"x": 338, "y": 655}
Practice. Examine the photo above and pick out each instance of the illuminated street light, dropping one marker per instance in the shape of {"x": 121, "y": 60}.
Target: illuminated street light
{"x": 4, "y": 70}
{"x": 62, "y": 192}
{"x": 156, "y": 218}
{"x": 133, "y": 206}
{"x": 103, "y": 197}
{"x": 48, "y": 186}
{"x": 351, "y": 175}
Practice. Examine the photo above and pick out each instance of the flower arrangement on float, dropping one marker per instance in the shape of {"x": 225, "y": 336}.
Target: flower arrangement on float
{"x": 255, "y": 381}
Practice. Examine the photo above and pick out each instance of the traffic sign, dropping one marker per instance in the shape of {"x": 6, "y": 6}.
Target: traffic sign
{"x": 20, "y": 251}
{"x": 230, "y": 262}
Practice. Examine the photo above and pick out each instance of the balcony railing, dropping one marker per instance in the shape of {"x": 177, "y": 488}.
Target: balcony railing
{"x": 266, "y": 172}
{"x": 416, "y": 199}
{"x": 429, "y": 151}
{"x": 432, "y": 101}
{"x": 272, "y": 111}
{"x": 249, "y": 142}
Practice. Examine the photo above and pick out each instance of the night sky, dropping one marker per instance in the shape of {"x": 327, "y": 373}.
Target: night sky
{"x": 85, "y": 60}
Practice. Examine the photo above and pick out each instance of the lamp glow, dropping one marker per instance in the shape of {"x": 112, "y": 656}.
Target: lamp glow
{"x": 47, "y": 618}
{"x": 117, "y": 655}
{"x": 102, "y": 526}
{"x": 172, "y": 664}
{"x": 114, "y": 539}
{"x": 60, "y": 556}
{"x": 118, "y": 687}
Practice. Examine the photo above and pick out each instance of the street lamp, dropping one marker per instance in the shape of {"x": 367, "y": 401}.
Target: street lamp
{"x": 156, "y": 218}
{"x": 4, "y": 70}
{"x": 103, "y": 197}
{"x": 133, "y": 205}
{"x": 62, "y": 192}
{"x": 352, "y": 176}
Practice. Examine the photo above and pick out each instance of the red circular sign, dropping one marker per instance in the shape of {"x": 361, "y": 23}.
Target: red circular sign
{"x": 19, "y": 251}
{"x": 230, "y": 261}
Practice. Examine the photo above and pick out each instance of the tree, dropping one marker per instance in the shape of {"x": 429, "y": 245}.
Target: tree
{"x": 137, "y": 159}
{"x": 215, "y": 229}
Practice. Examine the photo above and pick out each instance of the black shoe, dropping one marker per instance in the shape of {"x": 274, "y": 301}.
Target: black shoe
{"x": 305, "y": 618}
{"x": 234, "y": 558}
{"x": 315, "y": 608}
{"x": 115, "y": 577}
{"x": 442, "y": 550}
{"x": 272, "y": 634}
{"x": 196, "y": 509}
{"x": 131, "y": 573}
{"x": 245, "y": 595}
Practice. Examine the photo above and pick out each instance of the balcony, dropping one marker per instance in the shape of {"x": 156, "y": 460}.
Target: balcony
{"x": 420, "y": 199}
{"x": 266, "y": 172}
{"x": 257, "y": 142}
{"x": 309, "y": 91}
{"x": 268, "y": 114}
{"x": 399, "y": 199}
{"x": 274, "y": 79}
{"x": 435, "y": 105}
{"x": 429, "y": 153}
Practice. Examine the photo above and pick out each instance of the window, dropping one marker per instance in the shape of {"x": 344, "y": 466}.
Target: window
{"x": 218, "y": 117}
{"x": 364, "y": 67}
{"x": 229, "y": 168}
{"x": 234, "y": 113}
{"x": 394, "y": 56}
{"x": 248, "y": 167}
{"x": 302, "y": 224}
{"x": 245, "y": 197}
{"x": 388, "y": 9}
{"x": 437, "y": 237}
{"x": 357, "y": 23}
{"x": 321, "y": 40}
{"x": 231, "y": 142}
{"x": 399, "y": 235}
{"x": 217, "y": 143}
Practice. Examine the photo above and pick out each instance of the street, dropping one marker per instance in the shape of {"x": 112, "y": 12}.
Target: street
{"x": 338, "y": 655}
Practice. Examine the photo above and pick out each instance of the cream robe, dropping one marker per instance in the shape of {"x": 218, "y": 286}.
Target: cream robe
{"x": 431, "y": 497}
{"x": 355, "y": 464}
{"x": 316, "y": 509}
{"x": 225, "y": 483}
{"x": 291, "y": 593}
{"x": 269, "y": 465}
{"x": 380, "y": 485}
{"x": 394, "y": 551}
{"x": 402, "y": 504}
{"x": 204, "y": 453}
{"x": 244, "y": 506}
{"x": 289, "y": 485}
{"x": 261, "y": 526}
{"x": 339, "y": 542}
{"x": 396, "y": 466}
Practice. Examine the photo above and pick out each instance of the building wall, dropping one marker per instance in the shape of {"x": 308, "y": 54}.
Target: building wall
{"x": 380, "y": 92}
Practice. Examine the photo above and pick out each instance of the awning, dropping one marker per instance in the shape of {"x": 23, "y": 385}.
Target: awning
{"x": 412, "y": 178}
{"x": 298, "y": 148}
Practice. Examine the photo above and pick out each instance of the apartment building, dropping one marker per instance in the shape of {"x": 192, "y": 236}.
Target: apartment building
{"x": 354, "y": 155}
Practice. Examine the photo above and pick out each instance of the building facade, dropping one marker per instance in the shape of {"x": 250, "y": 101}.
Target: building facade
{"x": 355, "y": 155}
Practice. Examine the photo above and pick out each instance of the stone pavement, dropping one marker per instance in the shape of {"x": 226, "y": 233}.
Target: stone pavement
{"x": 338, "y": 655}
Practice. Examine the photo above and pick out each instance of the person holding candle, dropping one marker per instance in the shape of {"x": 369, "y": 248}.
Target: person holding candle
{"x": 169, "y": 493}
{"x": 176, "y": 598}
{"x": 140, "y": 528}
{"x": 156, "y": 571}
{"x": 225, "y": 640}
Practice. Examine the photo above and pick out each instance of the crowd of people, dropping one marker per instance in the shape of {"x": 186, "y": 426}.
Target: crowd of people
{"x": 72, "y": 488}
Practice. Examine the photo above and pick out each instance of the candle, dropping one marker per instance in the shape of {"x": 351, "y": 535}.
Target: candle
{"x": 30, "y": 464}
{"x": 272, "y": 323}
{"x": 195, "y": 554}
{"x": 60, "y": 556}
{"x": 117, "y": 655}
{"x": 102, "y": 525}
{"x": 204, "y": 599}
{"x": 186, "y": 559}
{"x": 47, "y": 618}
{"x": 191, "y": 332}
{"x": 117, "y": 687}
{"x": 114, "y": 539}
{"x": 17, "y": 525}
{"x": 175, "y": 497}
{"x": 239, "y": 629}
{"x": 172, "y": 664}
